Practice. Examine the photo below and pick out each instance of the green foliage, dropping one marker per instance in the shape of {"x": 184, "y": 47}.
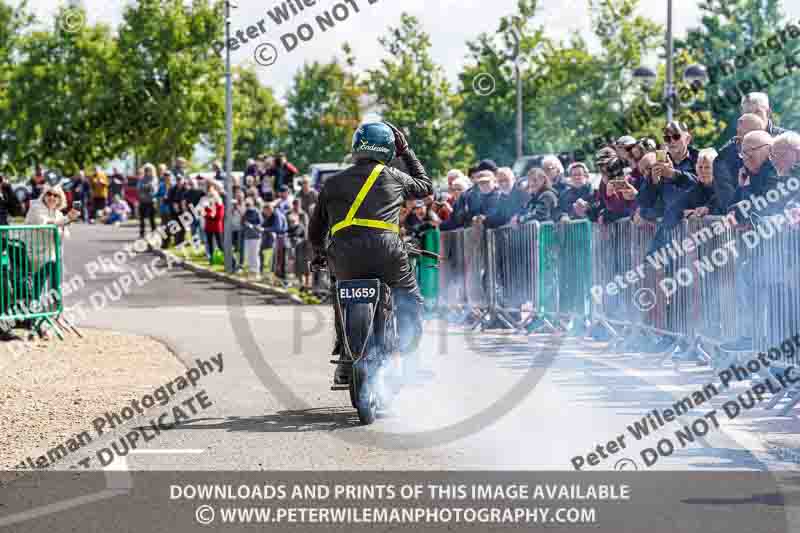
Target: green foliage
{"x": 259, "y": 120}
{"x": 323, "y": 105}
{"x": 571, "y": 96}
{"x": 57, "y": 99}
{"x": 736, "y": 41}
{"x": 170, "y": 94}
{"x": 414, "y": 94}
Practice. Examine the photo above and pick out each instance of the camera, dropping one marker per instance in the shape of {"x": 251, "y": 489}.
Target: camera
{"x": 614, "y": 168}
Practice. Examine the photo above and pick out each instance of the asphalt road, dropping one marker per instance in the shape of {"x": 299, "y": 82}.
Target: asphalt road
{"x": 480, "y": 401}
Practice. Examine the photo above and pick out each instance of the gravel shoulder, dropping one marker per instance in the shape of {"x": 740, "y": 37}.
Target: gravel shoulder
{"x": 51, "y": 390}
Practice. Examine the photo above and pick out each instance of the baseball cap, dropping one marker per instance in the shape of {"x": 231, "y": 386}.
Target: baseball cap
{"x": 626, "y": 141}
{"x": 486, "y": 164}
{"x": 605, "y": 155}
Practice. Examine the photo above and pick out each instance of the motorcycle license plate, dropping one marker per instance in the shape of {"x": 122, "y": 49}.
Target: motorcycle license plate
{"x": 359, "y": 291}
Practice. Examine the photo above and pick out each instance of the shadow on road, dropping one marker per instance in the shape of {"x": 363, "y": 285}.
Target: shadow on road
{"x": 289, "y": 421}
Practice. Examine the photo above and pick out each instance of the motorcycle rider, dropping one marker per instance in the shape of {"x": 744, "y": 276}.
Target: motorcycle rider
{"x": 360, "y": 208}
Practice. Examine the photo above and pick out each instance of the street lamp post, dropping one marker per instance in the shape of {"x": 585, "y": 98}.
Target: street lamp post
{"x": 228, "y": 144}
{"x": 693, "y": 74}
{"x": 518, "y": 76}
{"x": 669, "y": 90}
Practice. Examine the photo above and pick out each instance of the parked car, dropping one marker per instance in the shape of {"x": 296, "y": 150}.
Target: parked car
{"x": 322, "y": 171}
{"x": 525, "y": 163}
{"x": 131, "y": 195}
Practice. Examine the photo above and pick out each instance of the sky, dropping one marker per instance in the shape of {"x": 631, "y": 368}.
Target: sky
{"x": 451, "y": 23}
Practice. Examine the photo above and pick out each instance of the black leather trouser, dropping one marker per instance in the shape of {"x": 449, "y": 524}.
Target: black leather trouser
{"x": 381, "y": 255}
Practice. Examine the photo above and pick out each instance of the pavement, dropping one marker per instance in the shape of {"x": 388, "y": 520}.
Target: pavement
{"x": 493, "y": 401}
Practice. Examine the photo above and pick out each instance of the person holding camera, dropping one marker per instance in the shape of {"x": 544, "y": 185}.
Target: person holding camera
{"x": 674, "y": 172}
{"x": 615, "y": 198}
{"x": 672, "y": 177}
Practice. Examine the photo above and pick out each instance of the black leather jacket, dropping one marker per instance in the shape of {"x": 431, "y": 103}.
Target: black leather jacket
{"x": 383, "y": 202}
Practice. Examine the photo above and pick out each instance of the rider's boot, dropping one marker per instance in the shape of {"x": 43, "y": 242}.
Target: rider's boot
{"x": 341, "y": 376}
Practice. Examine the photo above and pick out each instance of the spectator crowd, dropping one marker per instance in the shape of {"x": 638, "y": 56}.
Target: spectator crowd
{"x": 267, "y": 213}
{"x": 652, "y": 182}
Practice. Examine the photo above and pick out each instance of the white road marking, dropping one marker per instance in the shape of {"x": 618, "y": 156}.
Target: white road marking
{"x": 165, "y": 451}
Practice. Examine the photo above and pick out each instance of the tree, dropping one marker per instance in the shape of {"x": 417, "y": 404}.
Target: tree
{"x": 70, "y": 128}
{"x": 573, "y": 100}
{"x": 259, "y": 120}
{"x": 740, "y": 41}
{"x": 415, "y": 95}
{"x": 14, "y": 23}
{"x": 169, "y": 94}
{"x": 488, "y": 90}
{"x": 324, "y": 111}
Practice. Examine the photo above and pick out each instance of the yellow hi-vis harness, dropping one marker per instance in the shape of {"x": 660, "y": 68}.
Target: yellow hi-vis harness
{"x": 350, "y": 219}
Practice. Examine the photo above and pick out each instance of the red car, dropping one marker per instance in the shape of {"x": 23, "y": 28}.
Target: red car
{"x": 131, "y": 194}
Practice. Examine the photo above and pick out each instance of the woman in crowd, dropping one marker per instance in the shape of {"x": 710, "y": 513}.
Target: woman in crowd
{"x": 702, "y": 200}
{"x": 214, "y": 219}
{"x": 251, "y": 238}
{"x": 41, "y": 244}
{"x": 237, "y": 217}
{"x": 458, "y": 187}
{"x": 119, "y": 211}
{"x": 543, "y": 205}
{"x": 554, "y": 169}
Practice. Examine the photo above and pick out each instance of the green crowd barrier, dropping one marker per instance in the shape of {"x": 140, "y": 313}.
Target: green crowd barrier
{"x": 575, "y": 270}
{"x": 547, "y": 279}
{"x": 428, "y": 269}
{"x": 30, "y": 275}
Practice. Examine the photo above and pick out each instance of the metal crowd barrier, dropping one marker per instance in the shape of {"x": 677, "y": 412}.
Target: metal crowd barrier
{"x": 776, "y": 300}
{"x": 613, "y": 249}
{"x": 30, "y": 275}
{"x": 452, "y": 292}
{"x": 575, "y": 272}
{"x": 710, "y": 287}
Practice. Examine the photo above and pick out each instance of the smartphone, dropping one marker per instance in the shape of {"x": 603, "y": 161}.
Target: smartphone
{"x": 661, "y": 156}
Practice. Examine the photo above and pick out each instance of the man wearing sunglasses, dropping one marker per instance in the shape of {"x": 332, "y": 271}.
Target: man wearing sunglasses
{"x": 670, "y": 180}
{"x": 728, "y": 164}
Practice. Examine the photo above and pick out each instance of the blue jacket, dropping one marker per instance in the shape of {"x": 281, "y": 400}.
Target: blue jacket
{"x": 274, "y": 227}
{"x": 253, "y": 218}
{"x": 726, "y": 173}
{"x": 467, "y": 206}
{"x": 670, "y": 190}
{"x": 507, "y": 206}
